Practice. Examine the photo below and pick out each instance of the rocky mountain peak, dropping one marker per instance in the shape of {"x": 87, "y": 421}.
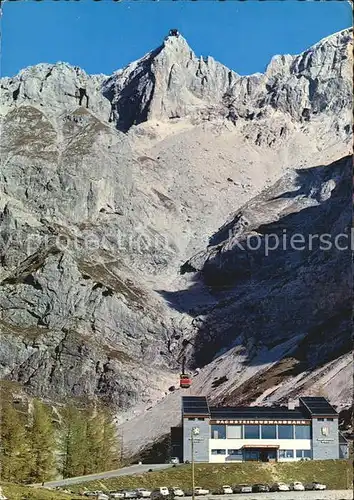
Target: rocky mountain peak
{"x": 168, "y": 83}
{"x": 173, "y": 83}
{"x": 177, "y": 46}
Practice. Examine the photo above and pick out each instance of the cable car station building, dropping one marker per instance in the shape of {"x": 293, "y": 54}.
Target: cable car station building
{"x": 278, "y": 433}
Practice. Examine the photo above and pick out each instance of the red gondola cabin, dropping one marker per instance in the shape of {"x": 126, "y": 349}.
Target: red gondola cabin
{"x": 185, "y": 381}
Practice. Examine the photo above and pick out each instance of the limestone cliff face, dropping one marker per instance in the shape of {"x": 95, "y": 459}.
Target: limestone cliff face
{"x": 53, "y": 87}
{"x": 101, "y": 206}
{"x": 285, "y": 254}
{"x": 172, "y": 82}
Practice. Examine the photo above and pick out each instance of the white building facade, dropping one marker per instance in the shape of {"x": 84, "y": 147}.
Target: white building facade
{"x": 269, "y": 440}
{"x": 237, "y": 434}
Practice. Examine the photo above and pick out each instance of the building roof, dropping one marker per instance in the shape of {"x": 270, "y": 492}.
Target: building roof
{"x": 259, "y": 412}
{"x": 318, "y": 406}
{"x": 197, "y": 406}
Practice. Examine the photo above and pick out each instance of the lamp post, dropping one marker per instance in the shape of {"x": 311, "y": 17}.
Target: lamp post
{"x": 194, "y": 432}
{"x": 121, "y": 449}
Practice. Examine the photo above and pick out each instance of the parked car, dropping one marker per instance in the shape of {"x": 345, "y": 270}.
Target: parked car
{"x": 297, "y": 486}
{"x": 226, "y": 490}
{"x": 280, "y": 487}
{"x": 177, "y": 491}
{"x": 143, "y": 493}
{"x": 319, "y": 486}
{"x": 260, "y": 488}
{"x": 102, "y": 496}
{"x": 315, "y": 485}
{"x": 130, "y": 494}
{"x": 201, "y": 491}
{"x": 162, "y": 494}
{"x": 243, "y": 488}
{"x": 93, "y": 493}
{"x": 117, "y": 494}
{"x": 174, "y": 460}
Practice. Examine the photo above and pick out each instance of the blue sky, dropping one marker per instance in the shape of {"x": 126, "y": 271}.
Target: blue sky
{"x": 102, "y": 37}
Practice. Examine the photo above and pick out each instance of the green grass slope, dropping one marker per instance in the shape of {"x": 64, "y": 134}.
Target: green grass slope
{"x": 336, "y": 474}
{"x": 20, "y": 492}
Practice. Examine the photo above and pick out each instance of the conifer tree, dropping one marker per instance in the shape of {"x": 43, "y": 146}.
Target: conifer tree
{"x": 73, "y": 443}
{"x": 102, "y": 440}
{"x": 15, "y": 453}
{"x": 42, "y": 443}
{"x": 89, "y": 442}
{"x": 110, "y": 448}
{"x": 94, "y": 436}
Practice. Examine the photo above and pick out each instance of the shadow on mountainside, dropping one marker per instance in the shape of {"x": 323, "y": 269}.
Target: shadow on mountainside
{"x": 260, "y": 301}
{"x": 133, "y": 101}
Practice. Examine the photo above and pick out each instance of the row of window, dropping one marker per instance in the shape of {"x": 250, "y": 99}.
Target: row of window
{"x": 223, "y": 452}
{"x": 261, "y": 431}
{"x": 282, "y": 453}
{"x": 298, "y": 453}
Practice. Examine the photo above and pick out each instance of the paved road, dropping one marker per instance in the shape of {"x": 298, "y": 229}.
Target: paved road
{"x": 126, "y": 471}
{"x": 286, "y": 495}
